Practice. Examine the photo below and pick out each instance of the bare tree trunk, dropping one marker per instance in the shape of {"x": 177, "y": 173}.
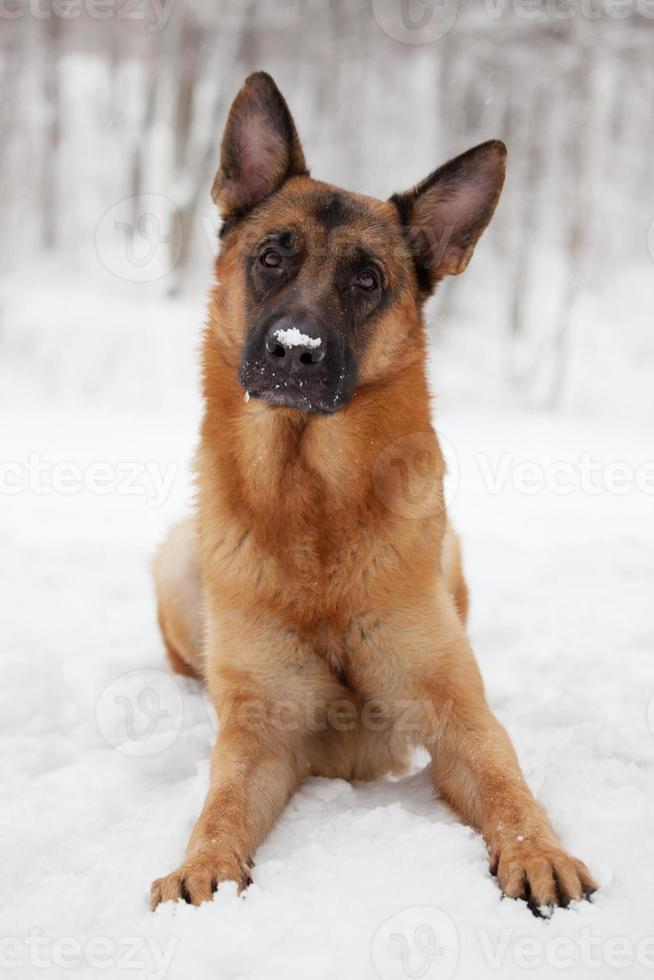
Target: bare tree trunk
{"x": 9, "y": 70}
{"x": 50, "y": 162}
{"x": 187, "y": 60}
{"x": 198, "y": 178}
{"x": 577, "y": 207}
{"x": 142, "y": 142}
{"x": 520, "y": 374}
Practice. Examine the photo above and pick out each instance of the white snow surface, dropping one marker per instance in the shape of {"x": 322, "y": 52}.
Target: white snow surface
{"x": 104, "y": 753}
{"x": 292, "y": 337}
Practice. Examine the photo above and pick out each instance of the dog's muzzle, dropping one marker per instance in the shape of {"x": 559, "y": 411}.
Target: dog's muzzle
{"x": 296, "y": 363}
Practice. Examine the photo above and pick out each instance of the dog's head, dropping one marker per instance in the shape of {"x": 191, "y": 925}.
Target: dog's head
{"x": 323, "y": 289}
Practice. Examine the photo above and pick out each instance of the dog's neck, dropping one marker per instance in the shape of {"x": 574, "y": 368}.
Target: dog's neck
{"x": 272, "y": 458}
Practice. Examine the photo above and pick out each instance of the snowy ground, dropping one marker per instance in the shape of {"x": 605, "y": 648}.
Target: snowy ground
{"x": 104, "y": 770}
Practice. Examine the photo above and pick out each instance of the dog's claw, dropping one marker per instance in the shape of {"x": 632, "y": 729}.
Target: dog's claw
{"x": 546, "y": 877}
{"x": 197, "y": 880}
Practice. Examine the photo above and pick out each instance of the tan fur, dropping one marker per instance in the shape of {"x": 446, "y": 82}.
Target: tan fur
{"x": 452, "y": 567}
{"x": 324, "y": 611}
{"x": 177, "y": 576}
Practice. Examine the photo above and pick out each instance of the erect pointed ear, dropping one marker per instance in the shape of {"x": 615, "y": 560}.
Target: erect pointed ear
{"x": 260, "y": 148}
{"x": 444, "y": 215}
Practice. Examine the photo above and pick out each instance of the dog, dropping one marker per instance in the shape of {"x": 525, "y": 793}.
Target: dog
{"x": 322, "y": 601}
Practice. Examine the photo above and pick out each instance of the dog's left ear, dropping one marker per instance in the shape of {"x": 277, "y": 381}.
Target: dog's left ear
{"x": 444, "y": 215}
{"x": 260, "y": 148}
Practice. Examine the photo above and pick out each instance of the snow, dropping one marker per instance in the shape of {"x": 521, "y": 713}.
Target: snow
{"x": 104, "y": 753}
{"x": 295, "y": 338}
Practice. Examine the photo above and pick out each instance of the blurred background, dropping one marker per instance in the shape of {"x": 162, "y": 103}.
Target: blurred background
{"x": 111, "y": 116}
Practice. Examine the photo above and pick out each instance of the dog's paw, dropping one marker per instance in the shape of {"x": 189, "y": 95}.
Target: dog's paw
{"x": 198, "y": 878}
{"x": 544, "y": 875}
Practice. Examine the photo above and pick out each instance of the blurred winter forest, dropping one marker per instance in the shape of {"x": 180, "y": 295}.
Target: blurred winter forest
{"x": 111, "y": 115}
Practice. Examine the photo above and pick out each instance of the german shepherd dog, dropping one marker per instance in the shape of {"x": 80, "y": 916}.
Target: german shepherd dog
{"x": 323, "y": 605}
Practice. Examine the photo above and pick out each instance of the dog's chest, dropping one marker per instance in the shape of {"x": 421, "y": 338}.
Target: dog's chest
{"x": 348, "y": 648}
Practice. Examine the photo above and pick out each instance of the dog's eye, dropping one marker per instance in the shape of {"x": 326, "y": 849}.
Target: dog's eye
{"x": 367, "y": 280}
{"x": 271, "y": 258}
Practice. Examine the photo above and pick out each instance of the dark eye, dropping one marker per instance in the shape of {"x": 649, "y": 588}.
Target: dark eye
{"x": 367, "y": 280}
{"x": 271, "y": 258}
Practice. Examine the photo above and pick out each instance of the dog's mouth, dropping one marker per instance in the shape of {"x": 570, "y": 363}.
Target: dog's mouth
{"x": 314, "y": 394}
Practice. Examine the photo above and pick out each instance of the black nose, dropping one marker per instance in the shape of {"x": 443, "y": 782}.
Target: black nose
{"x": 292, "y": 345}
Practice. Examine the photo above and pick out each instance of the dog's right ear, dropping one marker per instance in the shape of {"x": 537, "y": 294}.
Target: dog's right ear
{"x": 260, "y": 148}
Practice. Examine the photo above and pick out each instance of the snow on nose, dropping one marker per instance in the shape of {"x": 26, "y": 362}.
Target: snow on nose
{"x": 292, "y": 337}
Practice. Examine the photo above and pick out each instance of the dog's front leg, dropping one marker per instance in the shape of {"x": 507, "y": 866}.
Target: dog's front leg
{"x": 253, "y": 773}
{"x": 476, "y": 770}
